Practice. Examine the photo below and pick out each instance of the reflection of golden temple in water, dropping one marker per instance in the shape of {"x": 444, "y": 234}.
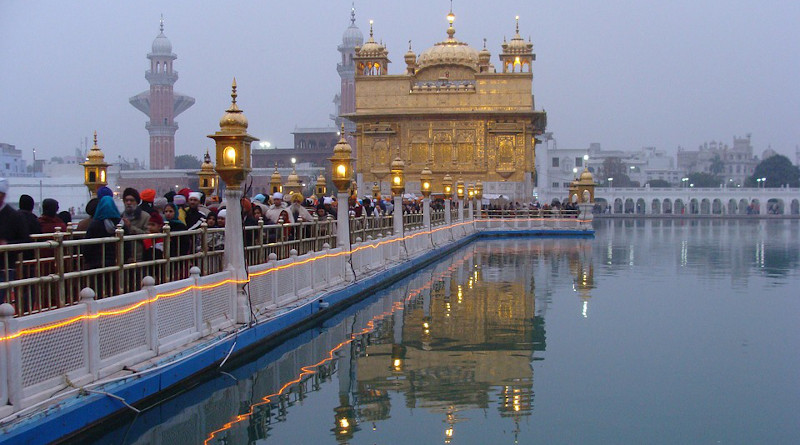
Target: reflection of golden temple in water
{"x": 456, "y": 338}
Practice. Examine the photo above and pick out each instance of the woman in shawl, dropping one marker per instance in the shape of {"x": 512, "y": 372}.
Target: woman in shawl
{"x": 104, "y": 224}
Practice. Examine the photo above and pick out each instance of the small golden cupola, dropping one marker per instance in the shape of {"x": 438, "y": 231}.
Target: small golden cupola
{"x": 485, "y": 60}
{"x": 372, "y": 58}
{"x": 207, "y": 177}
{"x": 275, "y": 181}
{"x": 95, "y": 168}
{"x": 517, "y": 55}
{"x": 233, "y": 144}
{"x": 411, "y": 60}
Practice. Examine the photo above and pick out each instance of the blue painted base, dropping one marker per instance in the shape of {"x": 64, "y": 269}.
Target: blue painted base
{"x": 80, "y": 412}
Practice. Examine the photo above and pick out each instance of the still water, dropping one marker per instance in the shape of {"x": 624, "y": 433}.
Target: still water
{"x": 652, "y": 332}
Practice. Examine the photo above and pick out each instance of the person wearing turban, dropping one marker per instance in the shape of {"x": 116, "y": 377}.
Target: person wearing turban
{"x": 148, "y": 197}
{"x": 195, "y": 213}
{"x": 12, "y": 230}
{"x": 104, "y": 224}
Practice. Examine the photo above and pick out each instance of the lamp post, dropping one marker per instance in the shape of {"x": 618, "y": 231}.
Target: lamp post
{"x": 479, "y": 196}
{"x": 94, "y": 169}
{"x": 207, "y": 177}
{"x": 470, "y": 203}
{"x": 275, "y": 181}
{"x": 425, "y": 179}
{"x": 233, "y": 166}
{"x": 398, "y": 187}
{"x": 342, "y": 172}
{"x": 322, "y": 187}
{"x": 447, "y": 188}
{"x": 460, "y": 196}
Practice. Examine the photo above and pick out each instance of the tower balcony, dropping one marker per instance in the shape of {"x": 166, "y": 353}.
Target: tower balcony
{"x": 161, "y": 78}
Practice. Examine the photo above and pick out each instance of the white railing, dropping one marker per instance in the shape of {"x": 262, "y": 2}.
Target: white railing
{"x": 67, "y": 349}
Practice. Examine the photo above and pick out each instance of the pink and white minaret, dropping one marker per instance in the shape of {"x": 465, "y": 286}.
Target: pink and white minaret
{"x": 161, "y": 103}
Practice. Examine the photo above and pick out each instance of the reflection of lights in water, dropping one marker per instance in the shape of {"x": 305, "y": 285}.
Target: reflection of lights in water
{"x": 426, "y": 325}
{"x": 448, "y": 432}
{"x": 585, "y": 309}
{"x": 344, "y": 423}
{"x": 684, "y": 253}
{"x": 630, "y": 255}
{"x": 397, "y": 364}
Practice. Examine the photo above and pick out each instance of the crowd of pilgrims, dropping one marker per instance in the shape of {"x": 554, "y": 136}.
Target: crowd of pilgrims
{"x": 143, "y": 212}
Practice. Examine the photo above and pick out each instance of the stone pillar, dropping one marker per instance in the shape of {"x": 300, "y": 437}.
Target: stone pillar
{"x": 447, "y": 219}
{"x": 342, "y": 220}
{"x": 470, "y": 214}
{"x": 426, "y": 213}
{"x": 234, "y": 251}
{"x": 460, "y": 204}
{"x": 397, "y": 216}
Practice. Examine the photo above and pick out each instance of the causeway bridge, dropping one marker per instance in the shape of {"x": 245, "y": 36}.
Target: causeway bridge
{"x": 699, "y": 200}
{"x": 77, "y": 344}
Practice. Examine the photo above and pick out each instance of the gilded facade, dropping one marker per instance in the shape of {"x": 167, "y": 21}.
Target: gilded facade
{"x": 451, "y": 108}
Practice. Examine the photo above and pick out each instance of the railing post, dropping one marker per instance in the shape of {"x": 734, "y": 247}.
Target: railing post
{"x": 234, "y": 252}
{"x": 12, "y": 365}
{"x": 342, "y": 220}
{"x": 93, "y": 330}
{"x": 197, "y": 297}
{"x": 447, "y": 215}
{"x": 59, "y": 259}
{"x": 397, "y": 215}
{"x": 272, "y": 259}
{"x": 295, "y": 275}
{"x": 167, "y": 243}
{"x": 426, "y": 214}
{"x": 148, "y": 285}
{"x": 120, "y": 245}
{"x": 261, "y": 252}
{"x": 204, "y": 247}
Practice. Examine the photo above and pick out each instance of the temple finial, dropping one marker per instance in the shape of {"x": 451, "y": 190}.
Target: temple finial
{"x": 161, "y": 26}
{"x": 95, "y": 137}
{"x": 517, "y": 24}
{"x": 484, "y": 43}
{"x": 370, "y": 28}
{"x": 353, "y": 14}
{"x": 233, "y": 92}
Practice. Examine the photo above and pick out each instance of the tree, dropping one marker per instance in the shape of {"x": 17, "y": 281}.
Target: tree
{"x": 613, "y": 167}
{"x": 659, "y": 183}
{"x": 187, "y": 162}
{"x": 717, "y": 166}
{"x": 701, "y": 179}
{"x": 778, "y": 170}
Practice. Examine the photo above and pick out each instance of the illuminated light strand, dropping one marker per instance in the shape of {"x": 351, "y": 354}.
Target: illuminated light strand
{"x": 117, "y": 312}
{"x": 306, "y": 371}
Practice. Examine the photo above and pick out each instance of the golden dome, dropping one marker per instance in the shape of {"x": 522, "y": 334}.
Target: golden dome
{"x": 449, "y": 52}
{"x": 517, "y": 45}
{"x": 398, "y": 164}
{"x": 484, "y": 56}
{"x": 207, "y": 165}
{"x": 342, "y": 146}
{"x": 233, "y": 120}
{"x": 276, "y": 175}
{"x": 371, "y": 48}
{"x": 95, "y": 155}
{"x": 411, "y": 57}
{"x": 293, "y": 178}
{"x": 586, "y": 176}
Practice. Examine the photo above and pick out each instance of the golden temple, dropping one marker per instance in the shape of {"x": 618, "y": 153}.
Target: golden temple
{"x": 451, "y": 108}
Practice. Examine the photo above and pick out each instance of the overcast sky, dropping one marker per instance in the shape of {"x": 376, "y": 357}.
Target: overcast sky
{"x": 625, "y": 73}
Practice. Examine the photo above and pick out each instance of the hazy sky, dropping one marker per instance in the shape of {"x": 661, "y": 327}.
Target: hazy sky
{"x": 626, "y": 73}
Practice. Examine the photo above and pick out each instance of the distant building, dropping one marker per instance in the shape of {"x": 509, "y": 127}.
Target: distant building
{"x": 161, "y": 103}
{"x": 11, "y": 162}
{"x": 311, "y": 145}
{"x": 734, "y": 164}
